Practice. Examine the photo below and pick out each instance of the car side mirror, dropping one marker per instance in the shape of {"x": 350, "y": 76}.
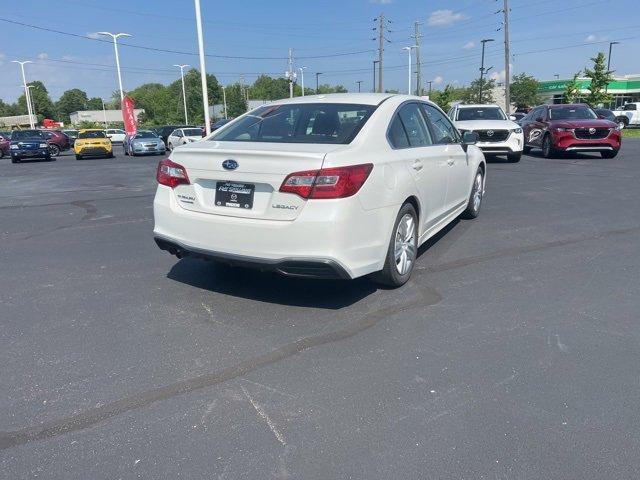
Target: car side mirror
{"x": 539, "y": 119}
{"x": 469, "y": 138}
{"x": 512, "y": 118}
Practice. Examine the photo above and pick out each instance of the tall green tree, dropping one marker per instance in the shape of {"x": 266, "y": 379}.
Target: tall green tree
{"x": 600, "y": 78}
{"x": 444, "y": 98}
{"x": 41, "y": 101}
{"x": 524, "y": 91}
{"x": 472, "y": 92}
{"x": 94, "y": 103}
{"x": 236, "y": 100}
{"x": 326, "y": 88}
{"x": 572, "y": 90}
{"x": 71, "y": 101}
{"x": 193, "y": 88}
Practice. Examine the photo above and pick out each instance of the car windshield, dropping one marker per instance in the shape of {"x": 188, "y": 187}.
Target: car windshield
{"x": 145, "y": 134}
{"x": 192, "y": 132}
{"x": 572, "y": 113}
{"x": 480, "y": 113}
{"x": 27, "y": 135}
{"x": 71, "y": 132}
{"x": 92, "y": 134}
{"x": 336, "y": 123}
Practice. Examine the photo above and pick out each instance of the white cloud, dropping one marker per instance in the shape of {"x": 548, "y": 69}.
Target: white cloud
{"x": 93, "y": 35}
{"x": 469, "y": 46}
{"x": 438, "y": 80}
{"x": 498, "y": 76}
{"x": 595, "y": 38}
{"x": 43, "y": 56}
{"x": 442, "y": 18}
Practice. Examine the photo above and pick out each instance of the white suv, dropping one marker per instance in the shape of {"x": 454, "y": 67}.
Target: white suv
{"x": 498, "y": 135}
{"x": 325, "y": 186}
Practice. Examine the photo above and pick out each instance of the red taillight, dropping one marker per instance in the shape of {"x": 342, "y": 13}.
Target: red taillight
{"x": 171, "y": 174}
{"x": 338, "y": 182}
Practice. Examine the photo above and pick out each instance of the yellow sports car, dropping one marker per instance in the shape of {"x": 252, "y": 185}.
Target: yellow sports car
{"x": 92, "y": 142}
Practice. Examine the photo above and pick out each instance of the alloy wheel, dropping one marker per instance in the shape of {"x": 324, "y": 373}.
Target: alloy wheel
{"x": 405, "y": 244}
{"x": 477, "y": 192}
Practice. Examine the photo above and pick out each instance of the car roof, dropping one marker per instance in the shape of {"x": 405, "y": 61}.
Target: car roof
{"x": 357, "y": 98}
{"x": 92, "y": 130}
{"x": 567, "y": 105}
{"x": 477, "y": 105}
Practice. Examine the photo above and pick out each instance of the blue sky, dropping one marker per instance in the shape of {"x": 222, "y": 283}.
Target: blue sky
{"x": 266, "y": 29}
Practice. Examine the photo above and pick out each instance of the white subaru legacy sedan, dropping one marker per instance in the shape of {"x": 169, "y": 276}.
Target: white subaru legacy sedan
{"x": 328, "y": 186}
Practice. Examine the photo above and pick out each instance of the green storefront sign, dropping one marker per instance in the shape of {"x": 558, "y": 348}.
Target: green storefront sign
{"x": 560, "y": 85}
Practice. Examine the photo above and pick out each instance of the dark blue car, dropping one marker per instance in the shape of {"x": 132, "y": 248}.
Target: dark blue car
{"x": 28, "y": 144}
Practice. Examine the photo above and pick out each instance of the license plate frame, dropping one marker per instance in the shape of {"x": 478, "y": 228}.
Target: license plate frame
{"x": 234, "y": 195}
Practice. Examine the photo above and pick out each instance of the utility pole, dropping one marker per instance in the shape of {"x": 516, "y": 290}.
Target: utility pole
{"x": 482, "y": 70}
{"x": 507, "y": 73}
{"x": 317, "y": 82}
{"x": 374, "y": 75}
{"x": 290, "y": 73}
{"x": 381, "y": 28}
{"x": 429, "y": 82}
{"x": 359, "y": 82}
{"x": 417, "y": 36}
{"x": 203, "y": 69}
{"x": 184, "y": 91}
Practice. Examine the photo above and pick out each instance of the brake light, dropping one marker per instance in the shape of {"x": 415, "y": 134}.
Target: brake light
{"x": 171, "y": 174}
{"x": 338, "y": 182}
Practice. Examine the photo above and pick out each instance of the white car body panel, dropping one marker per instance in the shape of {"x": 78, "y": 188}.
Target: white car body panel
{"x": 353, "y": 232}
{"x": 632, "y": 115}
{"x": 115, "y": 135}
{"x": 174, "y": 141}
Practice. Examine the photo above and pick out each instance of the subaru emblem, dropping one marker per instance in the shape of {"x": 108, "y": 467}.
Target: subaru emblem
{"x": 229, "y": 164}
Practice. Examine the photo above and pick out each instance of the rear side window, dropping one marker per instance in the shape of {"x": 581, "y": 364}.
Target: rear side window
{"x": 415, "y": 125}
{"x": 335, "y": 123}
{"x": 443, "y": 130}
{"x": 630, "y": 106}
{"x": 397, "y": 135}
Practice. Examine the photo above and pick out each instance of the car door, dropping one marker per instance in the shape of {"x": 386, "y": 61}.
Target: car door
{"x": 447, "y": 138}
{"x": 172, "y": 139}
{"x": 413, "y": 146}
{"x": 535, "y": 127}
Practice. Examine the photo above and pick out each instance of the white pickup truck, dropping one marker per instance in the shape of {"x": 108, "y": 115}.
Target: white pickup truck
{"x": 631, "y": 111}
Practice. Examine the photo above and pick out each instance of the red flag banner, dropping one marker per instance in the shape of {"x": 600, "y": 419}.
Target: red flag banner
{"x": 129, "y": 116}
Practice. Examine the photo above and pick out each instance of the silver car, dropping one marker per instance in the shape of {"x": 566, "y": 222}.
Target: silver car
{"x": 142, "y": 143}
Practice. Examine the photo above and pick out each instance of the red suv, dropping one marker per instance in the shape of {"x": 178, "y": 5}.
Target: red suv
{"x": 570, "y": 128}
{"x": 57, "y": 140}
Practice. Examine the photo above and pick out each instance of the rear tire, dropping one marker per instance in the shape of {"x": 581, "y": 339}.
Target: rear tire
{"x": 78, "y": 157}
{"x": 514, "y": 157}
{"x": 609, "y": 154}
{"x": 15, "y": 160}
{"x": 475, "y": 197}
{"x": 526, "y": 149}
{"x": 403, "y": 250}
{"x": 47, "y": 158}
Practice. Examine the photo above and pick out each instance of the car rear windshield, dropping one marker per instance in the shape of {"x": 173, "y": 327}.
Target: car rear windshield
{"x": 336, "y": 123}
{"x": 27, "y": 135}
{"x": 146, "y": 134}
{"x": 480, "y": 113}
{"x": 192, "y": 132}
{"x": 572, "y": 113}
{"x": 92, "y": 134}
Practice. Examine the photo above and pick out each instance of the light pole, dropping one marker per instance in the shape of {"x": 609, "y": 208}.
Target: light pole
{"x": 224, "y": 100}
{"x": 430, "y": 82}
{"x": 611, "y": 44}
{"x": 115, "y": 37}
{"x": 26, "y": 91}
{"x": 359, "y": 82}
{"x": 557, "y": 76}
{"x": 104, "y": 114}
{"x": 184, "y": 91}
{"x": 302, "y": 69}
{"x": 30, "y": 100}
{"x": 203, "y": 69}
{"x": 408, "y": 49}
{"x": 482, "y": 70}
{"x": 317, "y": 82}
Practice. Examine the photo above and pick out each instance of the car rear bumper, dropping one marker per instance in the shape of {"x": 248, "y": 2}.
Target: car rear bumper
{"x": 328, "y": 235}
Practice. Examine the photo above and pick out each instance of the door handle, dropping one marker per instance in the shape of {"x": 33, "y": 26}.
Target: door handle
{"x": 417, "y": 165}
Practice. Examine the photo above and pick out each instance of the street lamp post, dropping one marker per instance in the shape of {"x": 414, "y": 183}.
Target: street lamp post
{"x": 26, "y": 90}
{"x": 359, "y": 82}
{"x": 104, "y": 114}
{"x": 224, "y": 100}
{"x": 115, "y": 37}
{"x": 611, "y": 44}
{"x": 317, "y": 82}
{"x": 30, "y": 100}
{"x": 408, "y": 49}
{"x": 482, "y": 70}
{"x": 184, "y": 91}
{"x": 203, "y": 69}
{"x": 302, "y": 69}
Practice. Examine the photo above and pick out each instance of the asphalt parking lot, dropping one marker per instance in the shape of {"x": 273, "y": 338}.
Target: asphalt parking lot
{"x": 512, "y": 353}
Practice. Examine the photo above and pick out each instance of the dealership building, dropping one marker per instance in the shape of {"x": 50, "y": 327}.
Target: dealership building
{"x": 101, "y": 116}
{"x": 623, "y": 89}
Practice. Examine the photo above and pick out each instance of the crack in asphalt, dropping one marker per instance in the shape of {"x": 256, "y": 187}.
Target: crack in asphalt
{"x": 93, "y": 416}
